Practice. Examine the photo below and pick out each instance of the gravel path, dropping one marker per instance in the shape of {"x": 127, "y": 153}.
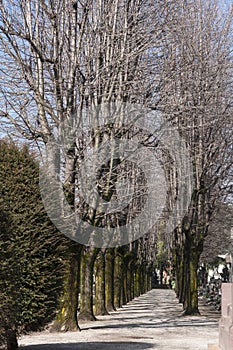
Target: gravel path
{"x": 152, "y": 321}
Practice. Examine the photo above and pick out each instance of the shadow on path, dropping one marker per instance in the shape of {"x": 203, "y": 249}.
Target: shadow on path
{"x": 91, "y": 346}
{"x": 152, "y": 321}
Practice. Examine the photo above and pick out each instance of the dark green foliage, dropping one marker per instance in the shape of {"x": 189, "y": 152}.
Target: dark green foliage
{"x": 30, "y": 268}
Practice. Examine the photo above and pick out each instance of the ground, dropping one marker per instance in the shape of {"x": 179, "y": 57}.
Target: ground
{"x": 152, "y": 321}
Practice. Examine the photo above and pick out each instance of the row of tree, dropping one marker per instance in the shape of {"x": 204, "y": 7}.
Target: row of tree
{"x": 63, "y": 58}
{"x": 34, "y": 255}
{"x": 199, "y": 101}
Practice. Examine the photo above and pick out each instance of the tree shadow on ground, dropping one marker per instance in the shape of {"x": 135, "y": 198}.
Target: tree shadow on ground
{"x": 91, "y": 346}
{"x": 157, "y": 323}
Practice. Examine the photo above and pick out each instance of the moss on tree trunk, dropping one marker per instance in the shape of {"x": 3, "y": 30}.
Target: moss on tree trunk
{"x": 191, "y": 259}
{"x": 143, "y": 279}
{"x": 66, "y": 319}
{"x": 86, "y": 284}
{"x": 129, "y": 279}
{"x": 136, "y": 282}
{"x": 99, "y": 304}
{"x": 118, "y": 281}
{"x": 109, "y": 279}
{"x": 186, "y": 263}
{"x": 132, "y": 280}
{"x": 148, "y": 279}
{"x": 124, "y": 285}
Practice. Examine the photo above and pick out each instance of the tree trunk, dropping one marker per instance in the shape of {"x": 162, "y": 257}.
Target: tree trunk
{"x": 129, "y": 282}
{"x": 66, "y": 319}
{"x": 124, "y": 285}
{"x": 11, "y": 340}
{"x": 142, "y": 279}
{"x": 129, "y": 275}
{"x": 148, "y": 282}
{"x": 180, "y": 268}
{"x": 136, "y": 281}
{"x": 132, "y": 268}
{"x": 99, "y": 303}
{"x": 176, "y": 262}
{"x": 190, "y": 302}
{"x": 86, "y": 285}
{"x": 118, "y": 281}
{"x": 109, "y": 279}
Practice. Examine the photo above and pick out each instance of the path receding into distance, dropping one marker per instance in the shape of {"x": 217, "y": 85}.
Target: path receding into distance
{"x": 152, "y": 321}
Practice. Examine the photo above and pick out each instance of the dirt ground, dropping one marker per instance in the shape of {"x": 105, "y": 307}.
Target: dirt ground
{"x": 152, "y": 321}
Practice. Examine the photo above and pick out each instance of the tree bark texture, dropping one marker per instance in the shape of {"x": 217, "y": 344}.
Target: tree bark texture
{"x": 66, "y": 319}
{"x": 86, "y": 284}
{"x": 99, "y": 302}
{"x": 109, "y": 279}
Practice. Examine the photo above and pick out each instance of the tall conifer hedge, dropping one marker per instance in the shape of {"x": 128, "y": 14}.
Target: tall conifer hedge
{"x": 30, "y": 266}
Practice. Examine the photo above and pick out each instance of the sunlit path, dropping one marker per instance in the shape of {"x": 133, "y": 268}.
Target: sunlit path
{"x": 152, "y": 321}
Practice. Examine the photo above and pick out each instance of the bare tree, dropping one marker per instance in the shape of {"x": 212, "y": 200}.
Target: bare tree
{"x": 196, "y": 85}
{"x": 57, "y": 59}
{"x": 218, "y": 240}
